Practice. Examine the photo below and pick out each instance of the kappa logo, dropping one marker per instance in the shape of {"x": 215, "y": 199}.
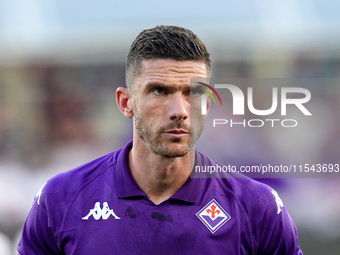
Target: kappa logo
{"x": 213, "y": 216}
{"x": 40, "y": 193}
{"x": 278, "y": 201}
{"x": 103, "y": 213}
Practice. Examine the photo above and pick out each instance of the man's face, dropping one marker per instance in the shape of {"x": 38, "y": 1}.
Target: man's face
{"x": 167, "y": 111}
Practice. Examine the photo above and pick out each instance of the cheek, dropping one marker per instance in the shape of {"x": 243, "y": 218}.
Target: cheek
{"x": 152, "y": 108}
{"x": 147, "y": 114}
{"x": 196, "y": 106}
{"x": 197, "y": 120}
{"x": 196, "y": 113}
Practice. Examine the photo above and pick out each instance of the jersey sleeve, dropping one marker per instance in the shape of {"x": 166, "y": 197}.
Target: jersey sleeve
{"x": 37, "y": 237}
{"x": 278, "y": 233}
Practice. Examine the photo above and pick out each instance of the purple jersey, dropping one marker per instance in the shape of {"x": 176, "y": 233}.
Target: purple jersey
{"x": 98, "y": 209}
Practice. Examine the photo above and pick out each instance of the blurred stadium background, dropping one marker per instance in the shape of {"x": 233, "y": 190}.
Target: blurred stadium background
{"x": 61, "y": 61}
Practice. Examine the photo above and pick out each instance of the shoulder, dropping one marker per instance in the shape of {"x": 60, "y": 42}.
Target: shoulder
{"x": 253, "y": 196}
{"x": 250, "y": 195}
{"x": 271, "y": 224}
{"x": 50, "y": 211}
{"x": 66, "y": 185}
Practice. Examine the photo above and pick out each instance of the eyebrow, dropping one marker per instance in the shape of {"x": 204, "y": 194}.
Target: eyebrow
{"x": 196, "y": 85}
{"x": 164, "y": 85}
{"x": 152, "y": 85}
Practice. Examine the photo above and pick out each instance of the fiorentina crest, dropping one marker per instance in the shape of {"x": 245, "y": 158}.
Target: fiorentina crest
{"x": 213, "y": 216}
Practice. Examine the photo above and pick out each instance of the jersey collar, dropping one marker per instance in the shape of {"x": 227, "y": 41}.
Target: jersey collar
{"x": 126, "y": 187}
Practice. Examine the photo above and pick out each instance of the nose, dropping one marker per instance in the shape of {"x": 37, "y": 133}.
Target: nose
{"x": 178, "y": 107}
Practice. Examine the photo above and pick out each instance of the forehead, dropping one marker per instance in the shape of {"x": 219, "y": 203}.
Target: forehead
{"x": 168, "y": 71}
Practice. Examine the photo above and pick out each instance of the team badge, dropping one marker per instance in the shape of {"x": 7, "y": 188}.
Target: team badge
{"x": 213, "y": 216}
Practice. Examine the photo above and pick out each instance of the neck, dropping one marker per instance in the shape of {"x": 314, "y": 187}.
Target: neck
{"x": 159, "y": 177}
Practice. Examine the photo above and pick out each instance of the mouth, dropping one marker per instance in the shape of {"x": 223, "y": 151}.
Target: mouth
{"x": 176, "y": 133}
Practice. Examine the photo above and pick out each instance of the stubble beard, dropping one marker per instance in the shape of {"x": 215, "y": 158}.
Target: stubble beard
{"x": 154, "y": 141}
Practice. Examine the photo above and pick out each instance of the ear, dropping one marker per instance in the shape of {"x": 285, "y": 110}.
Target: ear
{"x": 124, "y": 101}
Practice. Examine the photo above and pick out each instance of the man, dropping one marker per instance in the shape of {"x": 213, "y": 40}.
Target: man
{"x": 140, "y": 199}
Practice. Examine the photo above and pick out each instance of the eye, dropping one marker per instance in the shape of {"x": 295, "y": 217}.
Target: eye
{"x": 195, "y": 92}
{"x": 159, "y": 91}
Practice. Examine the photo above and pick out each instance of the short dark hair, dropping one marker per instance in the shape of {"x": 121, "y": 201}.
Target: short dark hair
{"x": 165, "y": 42}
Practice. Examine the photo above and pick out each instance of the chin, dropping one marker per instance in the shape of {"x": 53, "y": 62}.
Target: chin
{"x": 169, "y": 152}
{"x": 174, "y": 155}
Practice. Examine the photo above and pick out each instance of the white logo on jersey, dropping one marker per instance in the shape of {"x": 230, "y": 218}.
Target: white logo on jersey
{"x": 103, "y": 213}
{"x": 38, "y": 195}
{"x": 278, "y": 201}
